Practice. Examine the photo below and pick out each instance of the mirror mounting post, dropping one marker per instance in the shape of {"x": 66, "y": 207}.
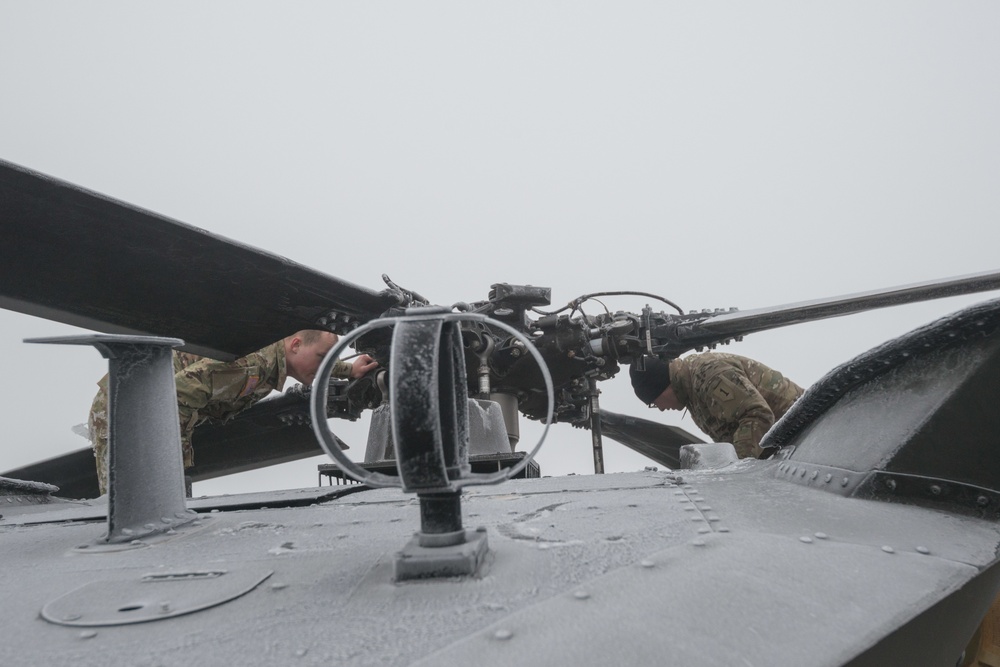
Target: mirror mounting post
{"x": 145, "y": 467}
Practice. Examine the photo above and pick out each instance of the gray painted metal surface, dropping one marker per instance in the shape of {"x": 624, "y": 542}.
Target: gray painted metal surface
{"x": 151, "y": 597}
{"x": 732, "y": 566}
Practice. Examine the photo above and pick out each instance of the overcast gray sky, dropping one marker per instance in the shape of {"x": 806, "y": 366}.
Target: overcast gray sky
{"x": 717, "y": 153}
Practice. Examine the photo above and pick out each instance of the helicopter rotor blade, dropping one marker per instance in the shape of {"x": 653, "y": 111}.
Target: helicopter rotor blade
{"x": 714, "y": 328}
{"x": 660, "y": 442}
{"x": 91, "y": 261}
{"x": 74, "y": 473}
{"x": 269, "y": 433}
{"x": 274, "y": 431}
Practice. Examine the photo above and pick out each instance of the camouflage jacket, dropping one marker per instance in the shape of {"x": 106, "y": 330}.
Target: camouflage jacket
{"x": 732, "y": 398}
{"x": 207, "y": 389}
{"x": 219, "y": 390}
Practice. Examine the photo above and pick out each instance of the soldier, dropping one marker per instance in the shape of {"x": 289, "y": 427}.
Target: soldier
{"x": 219, "y": 390}
{"x": 731, "y": 398}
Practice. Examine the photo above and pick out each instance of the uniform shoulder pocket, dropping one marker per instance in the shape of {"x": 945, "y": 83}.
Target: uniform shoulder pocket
{"x": 233, "y": 383}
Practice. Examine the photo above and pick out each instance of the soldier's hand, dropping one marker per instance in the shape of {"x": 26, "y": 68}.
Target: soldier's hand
{"x": 361, "y": 365}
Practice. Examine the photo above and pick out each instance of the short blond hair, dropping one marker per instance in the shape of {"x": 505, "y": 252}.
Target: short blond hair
{"x": 311, "y": 336}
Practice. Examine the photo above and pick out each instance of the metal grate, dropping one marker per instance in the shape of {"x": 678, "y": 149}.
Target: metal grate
{"x": 481, "y": 463}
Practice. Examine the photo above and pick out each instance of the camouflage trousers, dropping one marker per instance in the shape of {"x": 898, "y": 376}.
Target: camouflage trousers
{"x": 97, "y": 431}
{"x": 97, "y": 428}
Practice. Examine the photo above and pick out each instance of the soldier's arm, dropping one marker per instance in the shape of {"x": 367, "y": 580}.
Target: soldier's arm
{"x": 360, "y": 367}
{"x": 341, "y": 369}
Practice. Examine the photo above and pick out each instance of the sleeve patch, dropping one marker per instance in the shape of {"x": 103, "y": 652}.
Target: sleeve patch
{"x": 252, "y": 382}
{"x": 723, "y": 389}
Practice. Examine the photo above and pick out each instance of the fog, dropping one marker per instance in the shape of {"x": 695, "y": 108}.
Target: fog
{"x": 717, "y": 154}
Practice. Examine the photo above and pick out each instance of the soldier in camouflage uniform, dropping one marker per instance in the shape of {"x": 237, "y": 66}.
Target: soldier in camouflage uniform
{"x": 219, "y": 390}
{"x": 731, "y": 398}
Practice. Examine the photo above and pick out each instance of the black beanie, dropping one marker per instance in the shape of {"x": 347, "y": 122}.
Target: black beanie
{"x": 650, "y": 383}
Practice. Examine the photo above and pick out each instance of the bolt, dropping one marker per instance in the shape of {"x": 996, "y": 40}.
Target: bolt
{"x": 503, "y": 634}
{"x": 935, "y": 489}
{"x": 891, "y": 483}
{"x": 923, "y": 550}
